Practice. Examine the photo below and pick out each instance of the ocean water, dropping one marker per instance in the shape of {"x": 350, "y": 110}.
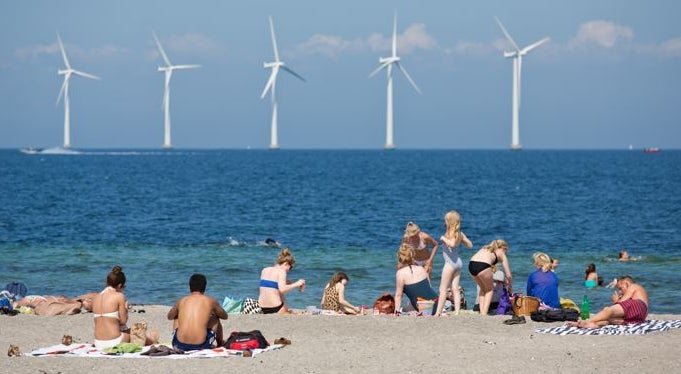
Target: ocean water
{"x": 65, "y": 220}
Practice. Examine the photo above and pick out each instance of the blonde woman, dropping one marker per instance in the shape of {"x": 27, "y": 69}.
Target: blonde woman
{"x": 480, "y": 268}
{"x": 451, "y": 271}
{"x": 411, "y": 279}
{"x": 419, "y": 241}
{"x": 273, "y": 284}
{"x": 543, "y": 283}
{"x": 333, "y": 297}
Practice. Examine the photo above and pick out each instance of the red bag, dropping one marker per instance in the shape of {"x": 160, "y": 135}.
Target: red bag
{"x": 385, "y": 304}
{"x": 242, "y": 341}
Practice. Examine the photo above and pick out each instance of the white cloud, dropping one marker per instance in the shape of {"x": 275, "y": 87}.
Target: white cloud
{"x": 415, "y": 37}
{"x": 191, "y": 43}
{"x": 671, "y": 48}
{"x": 600, "y": 33}
{"x": 34, "y": 51}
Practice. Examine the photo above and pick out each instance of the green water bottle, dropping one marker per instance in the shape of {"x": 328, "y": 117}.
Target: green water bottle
{"x": 585, "y": 308}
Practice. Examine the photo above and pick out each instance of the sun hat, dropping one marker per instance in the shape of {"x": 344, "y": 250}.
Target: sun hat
{"x": 412, "y": 229}
{"x": 499, "y": 276}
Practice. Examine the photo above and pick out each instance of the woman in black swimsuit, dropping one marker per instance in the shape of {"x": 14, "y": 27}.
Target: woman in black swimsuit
{"x": 480, "y": 268}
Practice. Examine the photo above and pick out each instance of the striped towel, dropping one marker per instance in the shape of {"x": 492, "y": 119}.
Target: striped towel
{"x": 633, "y": 329}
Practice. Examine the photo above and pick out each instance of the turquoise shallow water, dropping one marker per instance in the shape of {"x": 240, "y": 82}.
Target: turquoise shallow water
{"x": 65, "y": 220}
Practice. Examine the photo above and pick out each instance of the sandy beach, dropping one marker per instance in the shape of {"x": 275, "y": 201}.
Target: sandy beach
{"x": 373, "y": 344}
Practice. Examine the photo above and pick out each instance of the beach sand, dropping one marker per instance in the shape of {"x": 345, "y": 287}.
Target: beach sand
{"x": 467, "y": 343}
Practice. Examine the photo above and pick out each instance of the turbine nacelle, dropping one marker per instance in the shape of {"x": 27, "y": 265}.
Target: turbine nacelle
{"x": 268, "y": 65}
{"x": 512, "y": 54}
{"x": 388, "y": 60}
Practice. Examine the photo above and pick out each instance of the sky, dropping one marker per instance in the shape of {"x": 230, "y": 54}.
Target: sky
{"x": 610, "y": 77}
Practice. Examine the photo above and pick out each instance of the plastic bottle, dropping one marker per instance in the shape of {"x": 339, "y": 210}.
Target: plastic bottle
{"x": 585, "y": 312}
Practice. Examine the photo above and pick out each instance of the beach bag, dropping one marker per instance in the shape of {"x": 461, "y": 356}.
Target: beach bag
{"x": 251, "y": 306}
{"x": 241, "y": 341}
{"x": 17, "y": 289}
{"x": 504, "y": 306}
{"x": 138, "y": 333}
{"x": 385, "y": 304}
{"x": 232, "y": 305}
{"x": 555, "y": 315}
{"x": 525, "y": 305}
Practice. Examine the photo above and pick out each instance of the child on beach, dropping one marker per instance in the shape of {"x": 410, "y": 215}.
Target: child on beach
{"x": 418, "y": 241}
{"x": 333, "y": 297}
{"x": 480, "y": 268}
{"x": 451, "y": 271}
{"x": 110, "y": 312}
{"x": 273, "y": 284}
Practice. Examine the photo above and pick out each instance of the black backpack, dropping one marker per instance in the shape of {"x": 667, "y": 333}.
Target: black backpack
{"x": 241, "y": 341}
{"x": 555, "y": 315}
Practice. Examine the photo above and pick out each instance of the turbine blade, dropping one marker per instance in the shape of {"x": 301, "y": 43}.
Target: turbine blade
{"x": 534, "y": 45}
{"x": 274, "y": 41}
{"x": 269, "y": 84}
{"x": 293, "y": 73}
{"x": 61, "y": 91}
{"x": 395, "y": 35}
{"x": 508, "y": 36}
{"x": 63, "y": 52}
{"x": 160, "y": 48}
{"x": 179, "y": 67}
{"x": 381, "y": 67}
{"x": 86, "y": 75}
{"x": 408, "y": 77}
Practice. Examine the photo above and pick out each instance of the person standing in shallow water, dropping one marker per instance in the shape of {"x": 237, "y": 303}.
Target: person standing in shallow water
{"x": 451, "y": 271}
{"x": 419, "y": 241}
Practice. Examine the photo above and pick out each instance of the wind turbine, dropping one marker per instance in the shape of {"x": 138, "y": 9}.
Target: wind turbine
{"x": 517, "y": 57}
{"x": 387, "y": 63}
{"x": 65, "y": 91}
{"x": 168, "y": 70}
{"x": 272, "y": 83}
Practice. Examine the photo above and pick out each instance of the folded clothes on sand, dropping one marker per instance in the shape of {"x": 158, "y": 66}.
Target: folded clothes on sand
{"x": 633, "y": 329}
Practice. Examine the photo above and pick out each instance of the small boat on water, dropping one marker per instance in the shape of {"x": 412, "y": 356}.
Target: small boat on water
{"x": 31, "y": 150}
{"x": 652, "y": 150}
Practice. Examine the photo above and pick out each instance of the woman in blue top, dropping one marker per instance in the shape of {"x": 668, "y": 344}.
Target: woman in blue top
{"x": 543, "y": 283}
{"x": 411, "y": 280}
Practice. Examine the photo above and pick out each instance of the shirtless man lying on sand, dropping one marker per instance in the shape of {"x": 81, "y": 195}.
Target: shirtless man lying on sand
{"x": 630, "y": 306}
{"x": 196, "y": 318}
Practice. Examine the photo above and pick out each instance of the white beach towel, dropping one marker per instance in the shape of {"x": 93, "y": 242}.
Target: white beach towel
{"x": 633, "y": 329}
{"x": 87, "y": 350}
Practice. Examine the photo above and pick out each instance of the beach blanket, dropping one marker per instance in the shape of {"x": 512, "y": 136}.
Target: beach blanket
{"x": 87, "y": 350}
{"x": 633, "y": 329}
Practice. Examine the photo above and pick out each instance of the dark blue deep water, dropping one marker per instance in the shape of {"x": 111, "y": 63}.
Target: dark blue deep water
{"x": 66, "y": 219}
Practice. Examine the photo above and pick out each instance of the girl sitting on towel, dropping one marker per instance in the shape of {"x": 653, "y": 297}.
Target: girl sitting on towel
{"x": 333, "y": 297}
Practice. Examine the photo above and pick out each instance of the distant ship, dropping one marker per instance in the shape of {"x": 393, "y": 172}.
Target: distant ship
{"x": 31, "y": 150}
{"x": 652, "y": 150}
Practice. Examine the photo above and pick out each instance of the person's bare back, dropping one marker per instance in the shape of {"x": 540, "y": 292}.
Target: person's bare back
{"x": 194, "y": 315}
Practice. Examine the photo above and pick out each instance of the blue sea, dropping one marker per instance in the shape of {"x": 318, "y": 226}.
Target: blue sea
{"x": 65, "y": 220}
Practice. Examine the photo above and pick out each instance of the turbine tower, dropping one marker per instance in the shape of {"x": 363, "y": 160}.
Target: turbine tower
{"x": 387, "y": 63}
{"x": 517, "y": 56}
{"x": 272, "y": 83}
{"x": 65, "y": 91}
{"x": 168, "y": 70}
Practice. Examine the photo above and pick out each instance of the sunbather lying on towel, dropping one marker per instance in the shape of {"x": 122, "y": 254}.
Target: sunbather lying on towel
{"x": 56, "y": 305}
{"x": 630, "y": 306}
